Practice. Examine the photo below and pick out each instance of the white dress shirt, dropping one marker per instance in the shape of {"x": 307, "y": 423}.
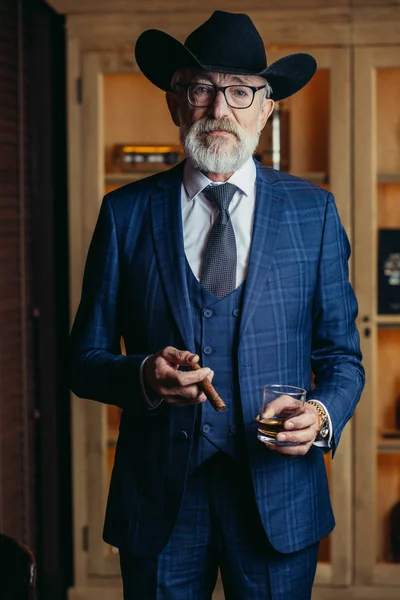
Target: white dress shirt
{"x": 198, "y": 216}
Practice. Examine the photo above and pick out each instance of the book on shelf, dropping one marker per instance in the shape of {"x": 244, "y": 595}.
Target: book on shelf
{"x": 129, "y": 158}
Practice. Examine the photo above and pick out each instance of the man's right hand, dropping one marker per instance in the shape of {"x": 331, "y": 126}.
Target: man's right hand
{"x": 180, "y": 388}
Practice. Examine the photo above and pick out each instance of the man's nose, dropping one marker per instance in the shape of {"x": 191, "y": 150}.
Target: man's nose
{"x": 219, "y": 108}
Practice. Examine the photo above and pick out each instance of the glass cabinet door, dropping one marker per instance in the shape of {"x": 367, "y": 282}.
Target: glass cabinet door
{"x": 377, "y": 276}
{"x": 121, "y": 107}
{"x": 319, "y": 151}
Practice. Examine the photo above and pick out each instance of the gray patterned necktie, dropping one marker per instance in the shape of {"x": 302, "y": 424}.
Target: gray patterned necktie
{"x": 218, "y": 274}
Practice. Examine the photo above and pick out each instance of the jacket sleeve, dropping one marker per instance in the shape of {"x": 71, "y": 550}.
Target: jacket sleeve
{"x": 98, "y": 370}
{"x": 336, "y": 355}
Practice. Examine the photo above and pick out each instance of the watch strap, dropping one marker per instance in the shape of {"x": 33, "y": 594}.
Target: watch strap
{"x": 323, "y": 427}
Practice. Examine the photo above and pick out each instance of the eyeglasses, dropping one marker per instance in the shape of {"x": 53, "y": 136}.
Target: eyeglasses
{"x": 202, "y": 95}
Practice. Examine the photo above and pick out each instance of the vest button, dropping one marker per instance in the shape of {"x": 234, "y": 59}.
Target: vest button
{"x": 207, "y": 313}
{"x": 233, "y": 428}
{"x": 207, "y": 350}
{"x": 182, "y": 435}
{"x": 236, "y": 312}
{"x": 206, "y": 428}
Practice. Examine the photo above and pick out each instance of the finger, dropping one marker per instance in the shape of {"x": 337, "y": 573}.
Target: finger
{"x": 283, "y": 404}
{"x": 308, "y": 418}
{"x": 164, "y": 371}
{"x": 182, "y": 401}
{"x": 303, "y": 421}
{"x": 191, "y": 391}
{"x": 185, "y": 378}
{"x": 179, "y": 357}
{"x": 193, "y": 359}
{"x": 301, "y": 436}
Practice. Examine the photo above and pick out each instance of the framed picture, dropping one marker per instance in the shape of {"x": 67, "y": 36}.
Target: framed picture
{"x": 389, "y": 271}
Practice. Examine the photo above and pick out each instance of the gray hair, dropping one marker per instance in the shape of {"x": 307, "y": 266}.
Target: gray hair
{"x": 268, "y": 90}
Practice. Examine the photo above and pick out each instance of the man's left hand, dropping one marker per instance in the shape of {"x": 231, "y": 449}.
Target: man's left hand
{"x": 300, "y": 430}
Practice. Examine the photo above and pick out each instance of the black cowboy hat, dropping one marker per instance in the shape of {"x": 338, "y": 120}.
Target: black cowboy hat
{"x": 225, "y": 43}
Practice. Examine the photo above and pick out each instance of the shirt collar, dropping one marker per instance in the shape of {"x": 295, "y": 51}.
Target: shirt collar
{"x": 195, "y": 181}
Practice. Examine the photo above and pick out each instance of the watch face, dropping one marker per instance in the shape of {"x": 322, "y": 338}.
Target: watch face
{"x": 324, "y": 431}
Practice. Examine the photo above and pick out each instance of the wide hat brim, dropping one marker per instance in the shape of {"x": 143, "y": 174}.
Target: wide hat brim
{"x": 159, "y": 56}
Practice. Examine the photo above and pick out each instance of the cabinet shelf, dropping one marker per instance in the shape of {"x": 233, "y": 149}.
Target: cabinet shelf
{"x": 387, "y": 321}
{"x": 317, "y": 177}
{"x": 111, "y": 178}
{"x": 389, "y": 446}
{"x": 393, "y": 177}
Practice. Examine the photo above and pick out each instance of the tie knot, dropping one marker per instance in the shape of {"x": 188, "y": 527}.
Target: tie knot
{"x": 220, "y": 195}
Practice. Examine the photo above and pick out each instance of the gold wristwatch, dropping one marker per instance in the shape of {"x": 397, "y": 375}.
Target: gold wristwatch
{"x": 323, "y": 429}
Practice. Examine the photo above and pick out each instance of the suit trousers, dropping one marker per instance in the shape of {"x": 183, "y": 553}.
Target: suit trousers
{"x": 219, "y": 527}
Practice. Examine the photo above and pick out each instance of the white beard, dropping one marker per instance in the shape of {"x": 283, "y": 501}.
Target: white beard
{"x": 214, "y": 154}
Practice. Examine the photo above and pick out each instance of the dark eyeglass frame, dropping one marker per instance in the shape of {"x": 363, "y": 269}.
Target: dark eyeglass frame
{"x": 222, "y": 89}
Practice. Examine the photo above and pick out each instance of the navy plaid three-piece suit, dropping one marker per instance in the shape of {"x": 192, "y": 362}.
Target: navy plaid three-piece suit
{"x": 297, "y": 315}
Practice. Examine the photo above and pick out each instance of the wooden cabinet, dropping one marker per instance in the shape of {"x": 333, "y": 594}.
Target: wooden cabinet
{"x": 377, "y": 208}
{"x": 345, "y": 136}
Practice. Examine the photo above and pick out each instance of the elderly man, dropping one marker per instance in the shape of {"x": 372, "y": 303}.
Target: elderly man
{"x": 243, "y": 269}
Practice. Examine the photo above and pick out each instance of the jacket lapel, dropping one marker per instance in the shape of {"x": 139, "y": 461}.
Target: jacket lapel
{"x": 267, "y": 223}
{"x": 168, "y": 241}
{"x": 166, "y": 218}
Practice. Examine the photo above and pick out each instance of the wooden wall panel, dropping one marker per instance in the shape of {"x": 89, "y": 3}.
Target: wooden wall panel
{"x": 389, "y": 384}
{"x": 289, "y": 28}
{"x": 150, "y": 122}
{"x": 388, "y": 119}
{"x": 376, "y": 26}
{"x": 127, "y": 6}
{"x": 100, "y": 23}
{"x": 310, "y": 126}
{"x": 391, "y": 4}
{"x": 388, "y": 206}
{"x": 388, "y": 493}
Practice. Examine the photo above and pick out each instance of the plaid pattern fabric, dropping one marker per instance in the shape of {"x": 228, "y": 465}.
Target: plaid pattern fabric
{"x": 298, "y": 314}
{"x": 218, "y": 273}
{"x": 219, "y": 526}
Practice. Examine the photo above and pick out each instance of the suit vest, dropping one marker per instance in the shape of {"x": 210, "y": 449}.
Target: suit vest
{"x": 216, "y": 330}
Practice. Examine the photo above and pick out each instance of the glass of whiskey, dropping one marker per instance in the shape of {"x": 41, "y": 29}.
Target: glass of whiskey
{"x": 279, "y": 403}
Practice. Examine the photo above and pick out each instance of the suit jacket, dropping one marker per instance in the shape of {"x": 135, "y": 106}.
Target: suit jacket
{"x": 298, "y": 315}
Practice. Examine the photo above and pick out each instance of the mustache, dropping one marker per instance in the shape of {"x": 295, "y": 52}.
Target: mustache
{"x": 207, "y": 125}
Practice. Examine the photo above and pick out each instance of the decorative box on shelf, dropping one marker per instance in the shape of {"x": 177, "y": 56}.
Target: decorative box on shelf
{"x": 128, "y": 158}
{"x": 274, "y": 146}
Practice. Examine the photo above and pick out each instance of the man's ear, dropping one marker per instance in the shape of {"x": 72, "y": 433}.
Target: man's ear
{"x": 173, "y": 106}
{"x": 266, "y": 111}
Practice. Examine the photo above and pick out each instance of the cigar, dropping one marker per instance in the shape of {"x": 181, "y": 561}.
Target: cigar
{"x": 206, "y": 386}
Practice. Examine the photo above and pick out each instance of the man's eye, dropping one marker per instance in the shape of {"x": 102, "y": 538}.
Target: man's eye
{"x": 240, "y": 92}
{"x": 202, "y": 89}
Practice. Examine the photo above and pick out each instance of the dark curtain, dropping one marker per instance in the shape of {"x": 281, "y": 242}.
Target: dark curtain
{"x": 35, "y": 473}
{"x": 17, "y": 382}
